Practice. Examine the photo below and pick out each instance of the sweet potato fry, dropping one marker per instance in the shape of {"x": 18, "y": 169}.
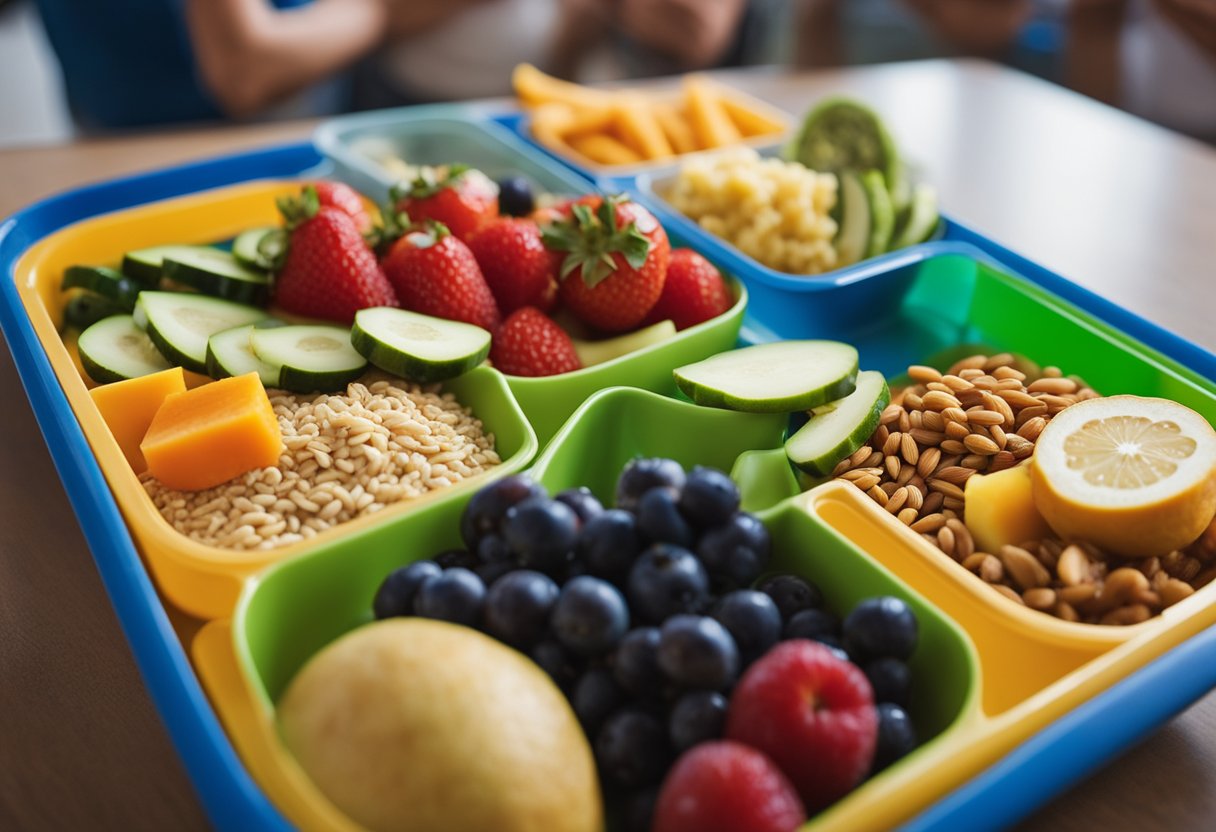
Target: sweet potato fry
{"x": 636, "y": 124}
{"x": 749, "y": 122}
{"x": 709, "y": 119}
{"x": 604, "y": 149}
{"x": 675, "y": 127}
{"x": 535, "y": 87}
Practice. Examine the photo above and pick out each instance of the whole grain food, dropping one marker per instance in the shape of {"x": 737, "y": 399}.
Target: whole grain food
{"x": 775, "y": 211}
{"x": 344, "y": 456}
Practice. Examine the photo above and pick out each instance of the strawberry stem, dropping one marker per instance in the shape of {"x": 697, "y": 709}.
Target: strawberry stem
{"x": 592, "y": 238}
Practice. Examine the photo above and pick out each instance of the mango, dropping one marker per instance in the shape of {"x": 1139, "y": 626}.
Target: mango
{"x": 1001, "y": 509}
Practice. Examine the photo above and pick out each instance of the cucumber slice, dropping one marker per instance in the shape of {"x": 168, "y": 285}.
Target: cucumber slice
{"x": 840, "y": 134}
{"x": 779, "y": 377}
{"x": 258, "y": 248}
{"x": 109, "y": 283}
{"x": 180, "y": 324}
{"x": 853, "y": 235}
{"x": 145, "y": 264}
{"x": 591, "y": 353}
{"x": 882, "y": 214}
{"x": 837, "y": 430}
{"x": 418, "y": 347}
{"x": 229, "y": 353}
{"x": 115, "y": 349}
{"x": 215, "y": 272}
{"x": 308, "y": 358}
{"x": 922, "y": 218}
{"x": 88, "y": 308}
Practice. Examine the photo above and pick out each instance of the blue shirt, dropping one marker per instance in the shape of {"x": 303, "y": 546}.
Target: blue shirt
{"x": 129, "y": 63}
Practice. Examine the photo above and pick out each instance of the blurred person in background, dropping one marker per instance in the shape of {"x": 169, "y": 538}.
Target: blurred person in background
{"x": 1155, "y": 58}
{"x": 472, "y": 55}
{"x": 131, "y": 63}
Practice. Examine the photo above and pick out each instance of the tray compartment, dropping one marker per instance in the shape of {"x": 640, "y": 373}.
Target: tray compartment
{"x": 291, "y": 611}
{"x": 434, "y": 135}
{"x": 442, "y": 134}
{"x": 205, "y": 580}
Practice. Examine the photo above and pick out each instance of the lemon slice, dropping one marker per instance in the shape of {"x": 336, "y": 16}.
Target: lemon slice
{"x": 1136, "y": 476}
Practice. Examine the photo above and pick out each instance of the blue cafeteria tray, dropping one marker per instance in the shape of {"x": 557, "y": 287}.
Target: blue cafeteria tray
{"x": 1021, "y": 781}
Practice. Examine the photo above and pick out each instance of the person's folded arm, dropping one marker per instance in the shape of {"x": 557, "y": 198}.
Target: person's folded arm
{"x": 251, "y": 55}
{"x": 696, "y": 33}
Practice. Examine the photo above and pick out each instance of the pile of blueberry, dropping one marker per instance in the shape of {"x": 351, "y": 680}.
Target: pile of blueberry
{"x": 644, "y": 614}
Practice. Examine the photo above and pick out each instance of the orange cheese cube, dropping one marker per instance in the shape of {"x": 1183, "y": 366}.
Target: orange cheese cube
{"x": 208, "y": 435}
{"x": 128, "y": 407}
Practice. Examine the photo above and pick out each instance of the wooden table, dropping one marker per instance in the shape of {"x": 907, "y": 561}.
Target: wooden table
{"x": 1118, "y": 205}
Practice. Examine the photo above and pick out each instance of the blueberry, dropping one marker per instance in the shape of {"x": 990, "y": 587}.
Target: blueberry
{"x": 541, "y": 532}
{"x": 518, "y": 606}
{"x": 833, "y": 644}
{"x": 595, "y": 696}
{"x": 486, "y": 509}
{"x": 697, "y": 717}
{"x": 878, "y": 627}
{"x": 637, "y": 812}
{"x": 590, "y": 616}
{"x": 491, "y": 572}
{"x": 792, "y": 594}
{"x": 659, "y": 518}
{"x": 666, "y": 580}
{"x": 457, "y": 595}
{"x": 396, "y": 594}
{"x": 632, "y": 748}
{"x": 451, "y": 558}
{"x": 609, "y": 544}
{"x": 635, "y": 664}
{"x": 641, "y": 475}
{"x": 493, "y": 549}
{"x": 813, "y": 624}
{"x": 562, "y": 667}
{"x": 752, "y": 620}
{"x": 697, "y": 652}
{"x": 896, "y": 736}
{"x": 891, "y": 681}
{"x": 515, "y": 197}
{"x": 736, "y": 552}
{"x": 583, "y": 502}
{"x": 709, "y": 497}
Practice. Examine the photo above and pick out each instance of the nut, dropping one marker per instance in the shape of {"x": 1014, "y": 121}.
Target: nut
{"x": 1024, "y": 568}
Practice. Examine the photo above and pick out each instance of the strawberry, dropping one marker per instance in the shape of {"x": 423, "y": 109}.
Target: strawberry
{"x": 616, "y": 262}
{"x": 516, "y": 264}
{"x": 435, "y": 273}
{"x": 327, "y": 270}
{"x": 345, "y": 199}
{"x": 460, "y": 197}
{"x": 529, "y": 343}
{"x": 693, "y": 292}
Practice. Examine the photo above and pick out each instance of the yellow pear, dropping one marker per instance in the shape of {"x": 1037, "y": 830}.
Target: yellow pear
{"x": 414, "y": 725}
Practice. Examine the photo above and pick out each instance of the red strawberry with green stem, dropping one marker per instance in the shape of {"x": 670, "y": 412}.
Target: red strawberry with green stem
{"x": 345, "y": 199}
{"x": 460, "y": 197}
{"x": 327, "y": 270}
{"x": 616, "y": 261}
{"x": 529, "y": 343}
{"x": 693, "y": 292}
{"x": 435, "y": 273}
{"x": 520, "y": 270}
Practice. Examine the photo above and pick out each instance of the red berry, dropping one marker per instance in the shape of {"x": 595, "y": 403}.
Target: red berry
{"x": 529, "y": 343}
{"x": 516, "y": 264}
{"x": 726, "y": 786}
{"x": 346, "y": 199}
{"x": 329, "y": 272}
{"x": 460, "y": 197}
{"x": 813, "y": 713}
{"x": 435, "y": 274}
{"x": 616, "y": 261}
{"x": 693, "y": 292}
